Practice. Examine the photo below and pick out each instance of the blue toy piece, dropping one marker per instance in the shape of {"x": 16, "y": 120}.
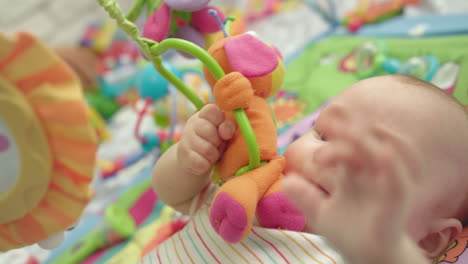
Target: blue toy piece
{"x": 373, "y": 59}
{"x": 118, "y": 81}
{"x": 151, "y": 142}
{"x": 424, "y": 67}
{"x": 151, "y": 84}
{"x": 391, "y": 66}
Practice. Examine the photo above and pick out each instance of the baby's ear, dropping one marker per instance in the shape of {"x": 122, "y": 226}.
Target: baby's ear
{"x": 442, "y": 232}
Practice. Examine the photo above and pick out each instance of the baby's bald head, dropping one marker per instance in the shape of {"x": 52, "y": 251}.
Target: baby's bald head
{"x": 448, "y": 135}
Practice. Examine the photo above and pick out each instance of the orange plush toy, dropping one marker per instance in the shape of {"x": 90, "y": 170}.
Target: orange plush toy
{"x": 250, "y": 169}
{"x": 254, "y": 71}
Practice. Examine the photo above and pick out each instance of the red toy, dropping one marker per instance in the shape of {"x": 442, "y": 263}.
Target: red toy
{"x": 373, "y": 11}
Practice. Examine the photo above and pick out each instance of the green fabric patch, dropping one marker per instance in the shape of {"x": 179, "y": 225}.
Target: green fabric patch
{"x": 315, "y": 75}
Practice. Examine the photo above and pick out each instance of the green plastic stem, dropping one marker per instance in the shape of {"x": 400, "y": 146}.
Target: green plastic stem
{"x": 218, "y": 73}
{"x": 135, "y": 10}
{"x": 180, "y": 85}
{"x": 152, "y": 6}
{"x": 130, "y": 196}
{"x": 192, "y": 49}
{"x": 249, "y": 136}
{"x": 230, "y": 20}
{"x": 152, "y": 48}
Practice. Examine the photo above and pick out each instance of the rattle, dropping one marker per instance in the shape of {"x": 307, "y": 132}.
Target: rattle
{"x": 47, "y": 144}
{"x": 242, "y": 71}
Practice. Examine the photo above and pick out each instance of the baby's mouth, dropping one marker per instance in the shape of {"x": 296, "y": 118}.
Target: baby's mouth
{"x": 300, "y": 173}
{"x": 325, "y": 191}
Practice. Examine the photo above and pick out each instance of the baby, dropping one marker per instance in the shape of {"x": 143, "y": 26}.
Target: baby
{"x": 382, "y": 175}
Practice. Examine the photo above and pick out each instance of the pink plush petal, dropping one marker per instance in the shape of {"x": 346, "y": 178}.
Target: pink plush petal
{"x": 157, "y": 26}
{"x": 250, "y": 56}
{"x": 204, "y": 22}
{"x": 276, "y": 211}
{"x": 228, "y": 218}
{"x": 277, "y": 51}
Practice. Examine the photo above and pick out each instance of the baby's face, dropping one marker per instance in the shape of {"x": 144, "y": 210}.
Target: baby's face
{"x": 406, "y": 111}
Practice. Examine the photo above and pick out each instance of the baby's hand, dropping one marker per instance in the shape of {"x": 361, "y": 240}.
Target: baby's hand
{"x": 203, "y": 140}
{"x": 83, "y": 62}
{"x": 363, "y": 211}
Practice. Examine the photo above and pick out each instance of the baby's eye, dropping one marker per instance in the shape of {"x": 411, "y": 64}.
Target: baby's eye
{"x": 323, "y": 136}
{"x": 319, "y": 134}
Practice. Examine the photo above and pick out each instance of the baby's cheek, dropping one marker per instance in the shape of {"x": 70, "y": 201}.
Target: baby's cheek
{"x": 307, "y": 229}
{"x": 293, "y": 159}
{"x": 300, "y": 152}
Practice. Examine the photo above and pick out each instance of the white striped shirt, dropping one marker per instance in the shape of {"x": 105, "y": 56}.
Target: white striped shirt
{"x": 199, "y": 243}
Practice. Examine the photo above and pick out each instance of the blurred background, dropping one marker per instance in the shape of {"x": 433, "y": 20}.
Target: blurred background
{"x": 60, "y": 22}
{"x": 292, "y": 28}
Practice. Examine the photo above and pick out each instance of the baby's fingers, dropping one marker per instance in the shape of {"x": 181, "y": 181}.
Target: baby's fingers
{"x": 193, "y": 162}
{"x": 391, "y": 199}
{"x": 212, "y": 114}
{"x": 354, "y": 146}
{"x": 404, "y": 150}
{"x": 207, "y": 131}
{"x": 393, "y": 177}
{"x": 197, "y": 155}
{"x": 226, "y": 130}
{"x": 206, "y": 149}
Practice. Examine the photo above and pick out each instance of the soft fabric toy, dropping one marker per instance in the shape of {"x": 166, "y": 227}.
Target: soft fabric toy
{"x": 457, "y": 250}
{"x": 243, "y": 71}
{"x": 184, "y": 19}
{"x": 254, "y": 71}
{"x": 47, "y": 144}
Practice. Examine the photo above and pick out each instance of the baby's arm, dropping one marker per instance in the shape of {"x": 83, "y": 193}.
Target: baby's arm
{"x": 185, "y": 169}
{"x": 83, "y": 62}
{"x": 365, "y": 211}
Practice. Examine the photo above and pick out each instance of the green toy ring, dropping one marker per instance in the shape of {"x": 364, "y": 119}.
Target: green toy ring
{"x": 155, "y": 50}
{"x": 218, "y": 73}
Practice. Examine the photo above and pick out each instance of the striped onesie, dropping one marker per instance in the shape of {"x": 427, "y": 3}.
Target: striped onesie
{"x": 199, "y": 243}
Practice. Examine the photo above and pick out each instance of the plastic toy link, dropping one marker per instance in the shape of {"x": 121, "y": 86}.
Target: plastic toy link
{"x": 154, "y": 50}
{"x": 47, "y": 145}
{"x": 187, "y": 20}
{"x": 242, "y": 71}
{"x": 152, "y": 87}
{"x": 371, "y": 59}
{"x": 373, "y": 11}
{"x": 119, "y": 222}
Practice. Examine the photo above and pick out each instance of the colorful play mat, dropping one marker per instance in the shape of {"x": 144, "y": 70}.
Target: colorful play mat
{"x": 126, "y": 219}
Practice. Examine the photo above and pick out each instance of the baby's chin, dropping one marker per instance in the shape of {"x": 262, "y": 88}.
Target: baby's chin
{"x": 308, "y": 229}
{"x": 291, "y": 168}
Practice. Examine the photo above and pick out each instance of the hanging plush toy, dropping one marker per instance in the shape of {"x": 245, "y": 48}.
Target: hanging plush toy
{"x": 243, "y": 71}
{"x": 183, "y": 19}
{"x": 254, "y": 71}
{"x": 47, "y": 144}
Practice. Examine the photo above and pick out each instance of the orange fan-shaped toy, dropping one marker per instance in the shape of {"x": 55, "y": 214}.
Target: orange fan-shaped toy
{"x": 47, "y": 144}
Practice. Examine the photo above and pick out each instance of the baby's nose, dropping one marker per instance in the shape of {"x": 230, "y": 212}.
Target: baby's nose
{"x": 298, "y": 154}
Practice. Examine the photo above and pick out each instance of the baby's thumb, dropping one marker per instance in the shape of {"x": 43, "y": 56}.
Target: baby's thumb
{"x": 227, "y": 129}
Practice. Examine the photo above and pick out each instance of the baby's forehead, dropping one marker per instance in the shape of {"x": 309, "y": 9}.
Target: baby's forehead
{"x": 393, "y": 94}
{"x": 399, "y": 101}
